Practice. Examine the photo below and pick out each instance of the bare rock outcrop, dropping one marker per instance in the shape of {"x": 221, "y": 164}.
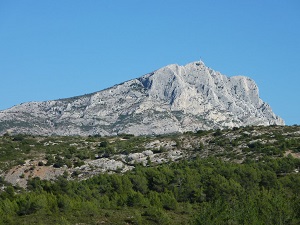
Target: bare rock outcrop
{"x": 172, "y": 99}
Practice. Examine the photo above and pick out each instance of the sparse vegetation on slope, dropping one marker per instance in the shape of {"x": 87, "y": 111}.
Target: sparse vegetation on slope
{"x": 239, "y": 176}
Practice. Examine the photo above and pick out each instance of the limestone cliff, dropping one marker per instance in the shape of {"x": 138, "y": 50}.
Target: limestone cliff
{"x": 172, "y": 99}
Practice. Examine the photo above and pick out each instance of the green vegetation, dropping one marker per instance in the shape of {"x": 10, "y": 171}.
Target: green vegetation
{"x": 240, "y": 176}
{"x": 232, "y": 144}
{"x": 199, "y": 191}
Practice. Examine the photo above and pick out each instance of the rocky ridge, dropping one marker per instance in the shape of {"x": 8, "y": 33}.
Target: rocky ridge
{"x": 169, "y": 100}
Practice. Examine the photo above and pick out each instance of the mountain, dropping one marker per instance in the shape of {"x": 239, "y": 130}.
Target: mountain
{"x": 171, "y": 99}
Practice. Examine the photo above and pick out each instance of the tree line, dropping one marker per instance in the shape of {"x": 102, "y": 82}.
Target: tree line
{"x": 198, "y": 191}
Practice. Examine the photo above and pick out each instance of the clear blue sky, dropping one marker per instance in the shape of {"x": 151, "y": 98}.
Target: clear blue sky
{"x": 57, "y": 49}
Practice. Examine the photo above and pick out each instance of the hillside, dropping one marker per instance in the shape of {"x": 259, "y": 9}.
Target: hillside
{"x": 24, "y": 157}
{"x": 246, "y": 175}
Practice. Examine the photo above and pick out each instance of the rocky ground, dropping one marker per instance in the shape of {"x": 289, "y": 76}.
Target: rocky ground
{"x": 83, "y": 157}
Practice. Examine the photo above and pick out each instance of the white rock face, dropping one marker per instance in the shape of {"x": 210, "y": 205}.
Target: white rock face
{"x": 172, "y": 99}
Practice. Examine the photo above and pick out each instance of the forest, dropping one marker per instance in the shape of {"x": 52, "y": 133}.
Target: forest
{"x": 197, "y": 190}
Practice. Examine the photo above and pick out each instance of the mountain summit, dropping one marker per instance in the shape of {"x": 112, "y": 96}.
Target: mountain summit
{"x": 171, "y": 99}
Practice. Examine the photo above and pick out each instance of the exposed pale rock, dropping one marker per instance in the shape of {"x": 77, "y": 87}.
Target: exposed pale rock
{"x": 147, "y": 152}
{"x": 135, "y": 156}
{"x": 174, "y": 155}
{"x": 104, "y": 163}
{"x": 172, "y": 99}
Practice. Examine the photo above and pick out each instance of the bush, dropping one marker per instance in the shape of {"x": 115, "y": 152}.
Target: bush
{"x": 103, "y": 144}
{"x": 157, "y": 215}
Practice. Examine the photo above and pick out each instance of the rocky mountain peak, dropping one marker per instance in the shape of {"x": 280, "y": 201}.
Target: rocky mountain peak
{"x": 171, "y": 99}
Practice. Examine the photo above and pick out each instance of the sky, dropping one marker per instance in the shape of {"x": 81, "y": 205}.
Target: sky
{"x": 59, "y": 49}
